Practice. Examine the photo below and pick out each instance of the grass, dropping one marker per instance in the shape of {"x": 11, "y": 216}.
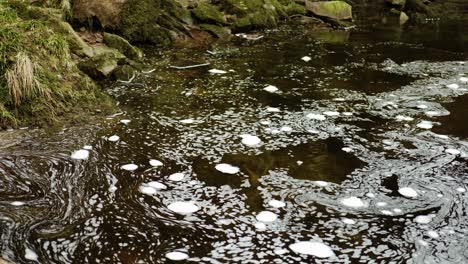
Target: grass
{"x": 39, "y": 81}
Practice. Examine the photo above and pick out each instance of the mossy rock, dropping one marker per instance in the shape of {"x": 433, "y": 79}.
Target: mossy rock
{"x": 123, "y": 46}
{"x": 208, "y": 13}
{"x": 101, "y": 66}
{"x": 337, "y": 10}
{"x": 218, "y": 31}
{"x": 124, "y": 72}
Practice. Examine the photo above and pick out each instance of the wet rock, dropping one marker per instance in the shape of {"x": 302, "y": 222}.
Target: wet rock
{"x": 77, "y": 45}
{"x": 101, "y": 66}
{"x": 403, "y": 18}
{"x": 218, "y": 31}
{"x": 105, "y": 11}
{"x": 338, "y": 10}
{"x": 123, "y": 46}
{"x": 124, "y": 72}
{"x": 208, "y": 13}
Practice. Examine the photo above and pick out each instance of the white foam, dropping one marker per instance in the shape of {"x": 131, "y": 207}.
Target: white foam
{"x": 187, "y": 121}
{"x": 276, "y": 203}
{"x": 347, "y": 113}
{"x": 260, "y": 226}
{"x": 265, "y": 122}
{"x": 321, "y": 183}
{"x": 250, "y": 140}
{"x": 129, "y": 167}
{"x": 386, "y": 212}
{"x": 348, "y": 221}
{"x": 313, "y": 248}
{"x": 463, "y": 80}
{"x": 87, "y": 147}
{"x": 381, "y": 204}
{"x": 280, "y": 251}
{"x": 397, "y": 210}
{"x": 177, "y": 256}
{"x": 347, "y": 149}
{"x": 266, "y": 217}
{"x": 147, "y": 190}
{"x": 286, "y": 129}
{"x": 370, "y": 195}
{"x": 425, "y": 124}
{"x": 156, "y": 185}
{"x": 461, "y": 190}
{"x": 178, "y": 176}
{"x": 404, "y": 118}
{"x": 432, "y": 113}
{"x": 271, "y": 89}
{"x": 155, "y": 163}
{"x": 306, "y": 58}
{"x": 17, "y": 203}
{"x": 81, "y": 154}
{"x": 432, "y": 234}
{"x": 273, "y": 109}
{"x": 408, "y": 192}
{"x": 183, "y": 207}
{"x": 452, "y": 151}
{"x": 422, "y": 106}
{"x": 30, "y": 255}
{"x": 125, "y": 121}
{"x": 216, "y": 71}
{"x": 423, "y": 219}
{"x": 113, "y": 138}
{"x": 331, "y": 113}
{"x": 316, "y": 116}
{"x": 453, "y": 86}
{"x": 354, "y": 202}
{"x": 227, "y": 168}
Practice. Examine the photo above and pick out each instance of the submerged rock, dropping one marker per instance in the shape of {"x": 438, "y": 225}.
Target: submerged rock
{"x": 338, "y": 10}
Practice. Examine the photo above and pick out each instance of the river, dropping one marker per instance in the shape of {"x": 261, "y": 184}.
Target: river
{"x": 351, "y": 142}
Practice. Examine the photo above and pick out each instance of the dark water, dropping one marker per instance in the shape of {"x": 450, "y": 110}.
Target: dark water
{"x": 340, "y": 178}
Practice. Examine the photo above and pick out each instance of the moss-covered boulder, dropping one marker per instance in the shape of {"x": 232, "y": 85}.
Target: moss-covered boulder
{"x": 123, "y": 46}
{"x": 338, "y": 10}
{"x": 102, "y": 65}
{"x": 206, "y": 12}
{"x": 40, "y": 82}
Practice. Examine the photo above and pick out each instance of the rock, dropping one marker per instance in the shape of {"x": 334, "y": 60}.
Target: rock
{"x": 123, "y": 46}
{"x": 338, "y": 10}
{"x": 208, "y": 13}
{"x": 77, "y": 45}
{"x": 396, "y": 2}
{"x": 218, "y": 31}
{"x": 403, "y": 18}
{"x": 124, "y": 72}
{"x": 105, "y": 11}
{"x": 100, "y": 66}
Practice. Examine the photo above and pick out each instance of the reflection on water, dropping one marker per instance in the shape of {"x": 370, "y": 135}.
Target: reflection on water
{"x": 362, "y": 149}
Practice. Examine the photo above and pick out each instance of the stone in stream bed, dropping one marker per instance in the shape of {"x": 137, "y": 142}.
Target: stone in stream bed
{"x": 313, "y": 248}
{"x": 338, "y": 10}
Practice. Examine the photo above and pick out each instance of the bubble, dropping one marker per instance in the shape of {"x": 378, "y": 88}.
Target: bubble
{"x": 286, "y": 129}
{"x": 155, "y": 163}
{"x": 113, "y": 138}
{"x": 408, "y": 192}
{"x": 260, "y": 226}
{"x": 316, "y": 116}
{"x": 452, "y": 151}
{"x": 432, "y": 234}
{"x": 348, "y": 221}
{"x": 176, "y": 176}
{"x": 156, "y": 185}
{"x": 147, "y": 190}
{"x": 354, "y": 202}
{"x": 81, "y": 154}
{"x": 321, "y": 183}
{"x": 313, "y": 248}
{"x": 30, "y": 255}
{"x": 176, "y": 256}
{"x": 183, "y": 207}
{"x": 266, "y": 216}
{"x": 250, "y": 140}
{"x": 404, "y": 118}
{"x": 227, "y": 168}
{"x": 463, "y": 80}
{"x": 216, "y": 71}
{"x": 271, "y": 89}
{"x": 331, "y": 113}
{"x": 423, "y": 219}
{"x": 187, "y": 121}
{"x": 87, "y": 147}
{"x": 17, "y": 203}
{"x": 273, "y": 109}
{"x": 276, "y": 204}
{"x": 347, "y": 149}
{"x": 306, "y": 58}
{"x": 125, "y": 121}
{"x": 425, "y": 125}
{"x": 453, "y": 86}
{"x": 129, "y": 167}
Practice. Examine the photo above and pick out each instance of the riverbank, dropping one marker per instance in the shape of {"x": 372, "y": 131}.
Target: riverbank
{"x": 51, "y": 56}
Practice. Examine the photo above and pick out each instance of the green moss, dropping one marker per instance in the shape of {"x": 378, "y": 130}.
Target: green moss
{"x": 216, "y": 30}
{"x": 123, "y": 46}
{"x": 56, "y": 86}
{"x": 208, "y": 13}
{"x": 155, "y": 21}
